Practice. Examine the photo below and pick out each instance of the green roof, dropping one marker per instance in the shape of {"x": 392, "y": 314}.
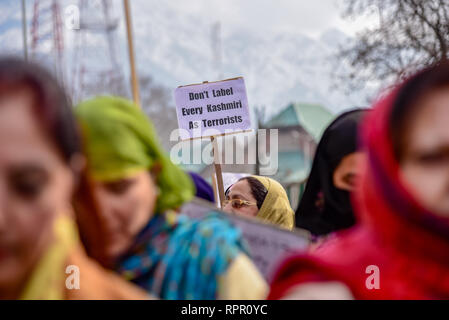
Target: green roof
{"x": 314, "y": 118}
{"x": 292, "y": 167}
{"x": 286, "y": 118}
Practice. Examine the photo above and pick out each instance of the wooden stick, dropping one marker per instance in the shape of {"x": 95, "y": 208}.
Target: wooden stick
{"x": 134, "y": 81}
{"x": 218, "y": 171}
{"x": 24, "y": 30}
{"x": 215, "y": 187}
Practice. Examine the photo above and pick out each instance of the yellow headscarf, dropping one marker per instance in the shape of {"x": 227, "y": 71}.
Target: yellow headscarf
{"x": 47, "y": 281}
{"x": 276, "y": 207}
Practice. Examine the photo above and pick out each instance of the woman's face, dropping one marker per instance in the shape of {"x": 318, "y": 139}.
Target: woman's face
{"x": 241, "y": 191}
{"x": 35, "y": 186}
{"x": 125, "y": 207}
{"x": 425, "y": 153}
{"x": 347, "y": 173}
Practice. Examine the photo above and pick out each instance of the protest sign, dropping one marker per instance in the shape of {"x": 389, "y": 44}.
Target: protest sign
{"x": 212, "y": 108}
{"x": 268, "y": 244}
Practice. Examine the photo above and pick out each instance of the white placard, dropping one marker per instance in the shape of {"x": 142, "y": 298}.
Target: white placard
{"x": 212, "y": 108}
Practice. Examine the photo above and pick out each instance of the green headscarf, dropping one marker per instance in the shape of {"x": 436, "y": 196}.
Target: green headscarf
{"x": 120, "y": 141}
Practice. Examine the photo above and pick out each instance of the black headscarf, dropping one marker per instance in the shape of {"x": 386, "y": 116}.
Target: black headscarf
{"x": 323, "y": 207}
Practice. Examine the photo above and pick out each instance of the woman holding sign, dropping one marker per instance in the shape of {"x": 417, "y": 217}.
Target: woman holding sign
{"x": 135, "y": 188}
{"x": 260, "y": 197}
{"x": 400, "y": 247}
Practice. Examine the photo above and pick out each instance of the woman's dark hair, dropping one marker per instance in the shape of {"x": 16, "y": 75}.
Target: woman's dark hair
{"x": 50, "y": 103}
{"x": 258, "y": 190}
{"x": 429, "y": 79}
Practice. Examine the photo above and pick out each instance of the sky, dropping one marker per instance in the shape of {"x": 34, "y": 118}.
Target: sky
{"x": 162, "y": 27}
{"x": 258, "y": 17}
{"x": 305, "y": 16}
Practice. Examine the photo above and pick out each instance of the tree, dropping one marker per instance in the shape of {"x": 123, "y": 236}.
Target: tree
{"x": 410, "y": 35}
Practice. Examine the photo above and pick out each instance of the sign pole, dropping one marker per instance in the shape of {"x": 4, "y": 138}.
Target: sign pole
{"x": 218, "y": 171}
{"x": 215, "y": 188}
{"x": 134, "y": 82}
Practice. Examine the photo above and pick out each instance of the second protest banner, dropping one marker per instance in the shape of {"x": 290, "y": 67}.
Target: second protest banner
{"x": 268, "y": 244}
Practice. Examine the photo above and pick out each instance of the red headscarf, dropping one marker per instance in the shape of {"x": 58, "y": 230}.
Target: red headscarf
{"x": 408, "y": 244}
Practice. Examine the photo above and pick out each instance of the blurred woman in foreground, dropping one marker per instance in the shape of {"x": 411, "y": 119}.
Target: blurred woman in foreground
{"x": 40, "y": 160}
{"x": 135, "y": 188}
{"x": 400, "y": 248}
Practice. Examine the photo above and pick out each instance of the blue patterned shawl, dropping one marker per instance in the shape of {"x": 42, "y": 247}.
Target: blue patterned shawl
{"x": 179, "y": 258}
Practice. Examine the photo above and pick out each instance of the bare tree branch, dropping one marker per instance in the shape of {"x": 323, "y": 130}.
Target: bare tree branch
{"x": 411, "y": 34}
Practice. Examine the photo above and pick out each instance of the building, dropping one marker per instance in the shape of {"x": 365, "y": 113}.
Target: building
{"x": 300, "y": 127}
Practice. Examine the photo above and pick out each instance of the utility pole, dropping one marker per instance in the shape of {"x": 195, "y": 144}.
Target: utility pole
{"x": 24, "y": 30}
{"x": 47, "y": 39}
{"x": 129, "y": 32}
{"x": 95, "y": 67}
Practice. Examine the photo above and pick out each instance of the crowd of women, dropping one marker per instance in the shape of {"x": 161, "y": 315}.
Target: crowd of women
{"x": 90, "y": 187}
